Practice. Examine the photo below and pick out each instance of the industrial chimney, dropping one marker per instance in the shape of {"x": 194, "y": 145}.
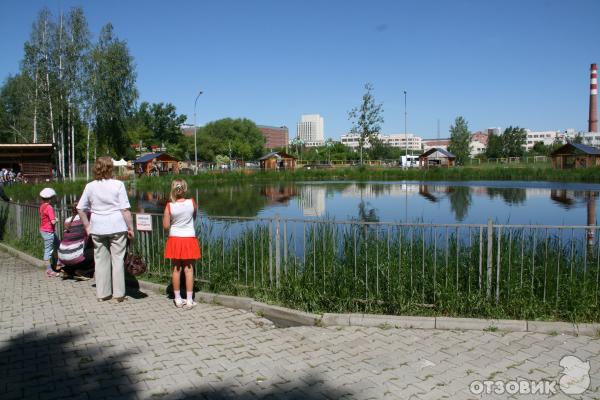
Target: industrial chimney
{"x": 593, "y": 121}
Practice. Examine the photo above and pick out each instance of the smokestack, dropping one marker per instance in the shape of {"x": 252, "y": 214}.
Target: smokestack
{"x": 593, "y": 121}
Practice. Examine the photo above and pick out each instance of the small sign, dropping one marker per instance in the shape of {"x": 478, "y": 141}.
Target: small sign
{"x": 143, "y": 222}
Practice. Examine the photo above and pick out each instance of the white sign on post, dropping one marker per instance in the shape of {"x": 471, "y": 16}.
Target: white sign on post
{"x": 143, "y": 222}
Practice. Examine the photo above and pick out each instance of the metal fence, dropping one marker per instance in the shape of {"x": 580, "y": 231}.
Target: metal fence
{"x": 521, "y": 269}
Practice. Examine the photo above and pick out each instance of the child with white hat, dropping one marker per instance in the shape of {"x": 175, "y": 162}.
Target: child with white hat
{"x": 47, "y": 230}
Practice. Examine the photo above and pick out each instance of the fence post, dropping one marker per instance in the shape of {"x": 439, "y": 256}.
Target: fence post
{"x": 490, "y": 249}
{"x": 270, "y": 253}
{"x": 19, "y": 221}
{"x": 277, "y": 250}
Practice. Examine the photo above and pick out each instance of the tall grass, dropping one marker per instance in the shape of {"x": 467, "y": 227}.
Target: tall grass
{"x": 322, "y": 266}
{"x": 526, "y": 172}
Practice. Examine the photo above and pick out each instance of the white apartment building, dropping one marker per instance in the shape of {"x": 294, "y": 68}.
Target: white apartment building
{"x": 310, "y": 130}
{"x": 546, "y": 137}
{"x": 395, "y": 140}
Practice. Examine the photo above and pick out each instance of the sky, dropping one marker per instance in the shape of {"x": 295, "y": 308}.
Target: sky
{"x": 496, "y": 63}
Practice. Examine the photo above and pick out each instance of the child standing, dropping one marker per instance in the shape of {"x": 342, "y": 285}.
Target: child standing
{"x": 182, "y": 245}
{"x": 47, "y": 222}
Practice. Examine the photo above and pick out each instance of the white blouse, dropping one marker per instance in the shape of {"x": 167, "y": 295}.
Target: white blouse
{"x": 105, "y": 199}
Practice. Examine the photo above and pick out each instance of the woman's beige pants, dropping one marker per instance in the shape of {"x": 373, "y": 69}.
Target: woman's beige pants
{"x": 109, "y": 254}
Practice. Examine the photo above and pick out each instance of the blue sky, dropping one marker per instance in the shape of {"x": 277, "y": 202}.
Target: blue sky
{"x": 497, "y": 63}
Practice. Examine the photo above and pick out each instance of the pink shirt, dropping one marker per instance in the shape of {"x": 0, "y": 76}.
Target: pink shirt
{"x": 46, "y": 216}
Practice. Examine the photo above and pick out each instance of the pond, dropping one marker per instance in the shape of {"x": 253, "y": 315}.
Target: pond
{"x": 431, "y": 202}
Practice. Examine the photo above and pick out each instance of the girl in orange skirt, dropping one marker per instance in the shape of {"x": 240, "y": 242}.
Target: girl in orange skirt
{"x": 182, "y": 245}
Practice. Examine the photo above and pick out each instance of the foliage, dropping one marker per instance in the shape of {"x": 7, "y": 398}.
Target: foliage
{"x": 460, "y": 138}
{"x": 513, "y": 141}
{"x": 494, "y": 147}
{"x": 162, "y": 121}
{"x": 366, "y": 119}
{"x": 113, "y": 90}
{"x": 239, "y": 138}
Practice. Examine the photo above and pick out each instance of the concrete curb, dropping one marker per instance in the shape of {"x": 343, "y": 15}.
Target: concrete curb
{"x": 23, "y": 256}
{"x": 282, "y": 316}
{"x": 392, "y": 321}
{"x": 480, "y": 324}
{"x": 287, "y": 317}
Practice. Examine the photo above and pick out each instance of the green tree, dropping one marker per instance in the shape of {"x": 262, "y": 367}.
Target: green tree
{"x": 113, "y": 91}
{"x": 16, "y": 124}
{"x": 379, "y": 149}
{"x": 513, "y": 141}
{"x": 366, "y": 119}
{"x": 238, "y": 137}
{"x": 162, "y": 121}
{"x": 460, "y": 138}
{"x": 494, "y": 147}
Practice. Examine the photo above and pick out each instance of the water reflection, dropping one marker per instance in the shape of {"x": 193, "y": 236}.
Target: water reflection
{"x": 372, "y": 200}
{"x": 444, "y": 202}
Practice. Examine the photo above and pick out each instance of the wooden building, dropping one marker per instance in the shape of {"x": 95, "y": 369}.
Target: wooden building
{"x": 277, "y": 160}
{"x": 437, "y": 157}
{"x": 575, "y": 155}
{"x": 33, "y": 161}
{"x": 156, "y": 164}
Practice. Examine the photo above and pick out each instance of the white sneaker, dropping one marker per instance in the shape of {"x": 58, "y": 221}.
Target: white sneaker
{"x": 179, "y": 303}
{"x": 190, "y": 304}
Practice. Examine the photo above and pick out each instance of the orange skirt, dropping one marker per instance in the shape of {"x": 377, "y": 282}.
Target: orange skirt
{"x": 182, "y": 248}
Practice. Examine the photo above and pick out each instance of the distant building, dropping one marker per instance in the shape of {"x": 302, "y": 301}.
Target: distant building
{"x": 478, "y": 144}
{"x": 429, "y": 144}
{"x": 277, "y": 161}
{"x": 437, "y": 157}
{"x": 395, "y": 140}
{"x": 545, "y": 137}
{"x": 34, "y": 161}
{"x": 310, "y": 130}
{"x": 575, "y": 155}
{"x": 187, "y": 129}
{"x": 275, "y": 136}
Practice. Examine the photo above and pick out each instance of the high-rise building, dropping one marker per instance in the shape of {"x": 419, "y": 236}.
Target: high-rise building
{"x": 310, "y": 130}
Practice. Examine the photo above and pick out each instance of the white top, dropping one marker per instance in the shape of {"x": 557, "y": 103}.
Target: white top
{"x": 182, "y": 218}
{"x": 105, "y": 199}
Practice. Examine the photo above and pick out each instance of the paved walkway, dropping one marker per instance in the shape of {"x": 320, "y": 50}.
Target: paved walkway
{"x": 58, "y": 342}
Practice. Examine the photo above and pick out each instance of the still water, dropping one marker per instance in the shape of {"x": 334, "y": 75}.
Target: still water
{"x": 436, "y": 202}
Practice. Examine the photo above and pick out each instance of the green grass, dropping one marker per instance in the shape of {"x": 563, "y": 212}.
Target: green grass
{"x": 530, "y": 172}
{"x": 362, "y": 270}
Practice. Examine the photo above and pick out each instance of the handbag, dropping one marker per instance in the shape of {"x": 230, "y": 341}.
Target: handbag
{"x": 134, "y": 263}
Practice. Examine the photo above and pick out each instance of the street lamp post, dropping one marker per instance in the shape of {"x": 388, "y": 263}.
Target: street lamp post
{"x": 195, "y": 138}
{"x": 405, "y": 132}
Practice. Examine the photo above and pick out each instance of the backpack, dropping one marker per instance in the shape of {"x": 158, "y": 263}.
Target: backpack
{"x": 72, "y": 246}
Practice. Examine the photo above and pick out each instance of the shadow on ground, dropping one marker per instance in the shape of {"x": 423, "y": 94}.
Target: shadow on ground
{"x": 49, "y": 366}
{"x": 69, "y": 365}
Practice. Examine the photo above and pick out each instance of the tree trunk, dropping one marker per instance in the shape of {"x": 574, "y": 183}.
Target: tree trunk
{"x": 73, "y": 151}
{"x": 60, "y": 108}
{"x": 87, "y": 154}
{"x": 35, "y": 101}
{"x": 45, "y": 51}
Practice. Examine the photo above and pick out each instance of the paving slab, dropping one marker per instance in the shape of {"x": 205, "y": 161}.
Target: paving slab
{"x": 57, "y": 341}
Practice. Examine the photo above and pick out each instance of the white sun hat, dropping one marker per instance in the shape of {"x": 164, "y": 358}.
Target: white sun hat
{"x": 47, "y": 193}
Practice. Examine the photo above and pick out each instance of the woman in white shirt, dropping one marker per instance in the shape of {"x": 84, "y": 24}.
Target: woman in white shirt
{"x": 109, "y": 226}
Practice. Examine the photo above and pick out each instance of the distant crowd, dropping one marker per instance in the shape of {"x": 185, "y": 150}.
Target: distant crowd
{"x": 8, "y": 176}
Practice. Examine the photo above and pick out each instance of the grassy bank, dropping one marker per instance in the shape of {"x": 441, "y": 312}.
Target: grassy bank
{"x": 521, "y": 173}
{"x": 531, "y": 172}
